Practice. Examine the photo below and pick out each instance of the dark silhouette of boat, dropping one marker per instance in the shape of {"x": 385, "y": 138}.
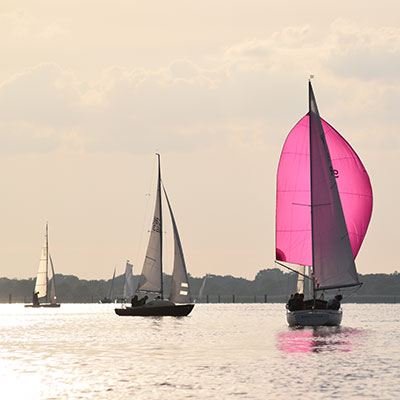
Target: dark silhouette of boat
{"x": 151, "y": 279}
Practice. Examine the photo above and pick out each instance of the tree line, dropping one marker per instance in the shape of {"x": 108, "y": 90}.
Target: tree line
{"x": 271, "y": 285}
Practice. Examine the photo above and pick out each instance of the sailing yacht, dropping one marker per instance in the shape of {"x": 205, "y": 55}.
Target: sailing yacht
{"x": 151, "y": 279}
{"x": 43, "y": 290}
{"x": 323, "y": 208}
{"x": 129, "y": 289}
{"x": 109, "y": 299}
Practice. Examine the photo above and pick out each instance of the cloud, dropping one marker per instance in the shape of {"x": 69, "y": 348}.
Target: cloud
{"x": 252, "y": 86}
{"x": 364, "y": 53}
{"x": 21, "y": 24}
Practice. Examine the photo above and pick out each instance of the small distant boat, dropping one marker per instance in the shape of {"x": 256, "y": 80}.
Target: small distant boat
{"x": 129, "y": 289}
{"x": 42, "y": 290}
{"x": 203, "y": 285}
{"x": 151, "y": 279}
{"x": 109, "y": 299}
{"x": 323, "y": 208}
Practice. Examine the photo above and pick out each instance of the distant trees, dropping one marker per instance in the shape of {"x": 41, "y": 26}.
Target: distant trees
{"x": 273, "y": 282}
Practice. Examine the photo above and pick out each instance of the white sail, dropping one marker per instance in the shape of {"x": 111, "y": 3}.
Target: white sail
{"x": 300, "y": 279}
{"x": 203, "y": 285}
{"x": 53, "y": 296}
{"x": 151, "y": 277}
{"x": 41, "y": 278}
{"x": 333, "y": 260}
{"x": 128, "y": 286}
{"x": 111, "y": 293}
{"x": 180, "y": 291}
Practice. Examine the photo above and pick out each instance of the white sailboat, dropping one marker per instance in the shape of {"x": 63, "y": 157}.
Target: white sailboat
{"x": 109, "y": 299}
{"x": 151, "y": 279}
{"x": 44, "y": 294}
{"x": 129, "y": 289}
{"x": 323, "y": 208}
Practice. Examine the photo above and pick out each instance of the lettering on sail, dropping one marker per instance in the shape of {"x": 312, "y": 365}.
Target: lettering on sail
{"x": 156, "y": 225}
{"x": 334, "y": 172}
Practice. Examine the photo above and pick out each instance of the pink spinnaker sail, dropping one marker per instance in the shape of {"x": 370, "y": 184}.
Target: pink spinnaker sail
{"x": 293, "y": 211}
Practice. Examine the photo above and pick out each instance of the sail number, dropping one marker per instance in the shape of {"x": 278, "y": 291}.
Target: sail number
{"x": 156, "y": 225}
{"x": 334, "y": 172}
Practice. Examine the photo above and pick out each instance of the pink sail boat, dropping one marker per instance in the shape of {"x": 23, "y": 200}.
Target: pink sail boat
{"x": 323, "y": 208}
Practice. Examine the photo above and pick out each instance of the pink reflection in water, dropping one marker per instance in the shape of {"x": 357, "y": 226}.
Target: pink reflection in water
{"x": 318, "y": 339}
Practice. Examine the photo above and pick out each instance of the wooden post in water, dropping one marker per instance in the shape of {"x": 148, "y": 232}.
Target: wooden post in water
{"x": 207, "y": 299}
{"x": 9, "y": 299}
{"x": 233, "y": 298}
{"x": 255, "y": 299}
{"x": 265, "y": 298}
{"x": 219, "y": 299}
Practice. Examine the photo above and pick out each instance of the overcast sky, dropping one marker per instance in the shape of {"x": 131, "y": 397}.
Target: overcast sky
{"x": 90, "y": 90}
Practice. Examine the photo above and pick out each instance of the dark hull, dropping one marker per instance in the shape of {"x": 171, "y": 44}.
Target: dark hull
{"x": 181, "y": 310}
{"x": 45, "y": 305}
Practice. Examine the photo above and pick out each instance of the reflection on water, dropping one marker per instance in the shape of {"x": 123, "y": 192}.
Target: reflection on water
{"x": 227, "y": 351}
{"x": 318, "y": 339}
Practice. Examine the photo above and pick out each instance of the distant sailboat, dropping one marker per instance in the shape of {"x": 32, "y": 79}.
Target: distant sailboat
{"x": 42, "y": 290}
{"x": 203, "y": 285}
{"x": 323, "y": 208}
{"x": 129, "y": 289}
{"x": 151, "y": 279}
{"x": 109, "y": 299}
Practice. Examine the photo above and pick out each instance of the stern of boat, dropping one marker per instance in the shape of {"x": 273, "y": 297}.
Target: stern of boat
{"x": 314, "y": 317}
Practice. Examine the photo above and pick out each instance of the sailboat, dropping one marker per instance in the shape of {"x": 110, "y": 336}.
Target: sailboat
{"x": 109, "y": 299}
{"x": 151, "y": 279}
{"x": 323, "y": 208}
{"x": 43, "y": 290}
{"x": 129, "y": 289}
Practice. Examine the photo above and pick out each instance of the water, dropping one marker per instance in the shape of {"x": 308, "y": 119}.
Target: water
{"x": 224, "y": 351}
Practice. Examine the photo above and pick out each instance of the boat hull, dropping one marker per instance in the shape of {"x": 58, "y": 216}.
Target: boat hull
{"x": 314, "y": 317}
{"x": 45, "y": 305}
{"x": 175, "y": 310}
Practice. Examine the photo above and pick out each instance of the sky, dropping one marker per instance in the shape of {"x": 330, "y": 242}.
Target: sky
{"x": 90, "y": 90}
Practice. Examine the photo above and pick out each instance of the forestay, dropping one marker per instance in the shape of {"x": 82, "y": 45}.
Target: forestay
{"x": 151, "y": 277}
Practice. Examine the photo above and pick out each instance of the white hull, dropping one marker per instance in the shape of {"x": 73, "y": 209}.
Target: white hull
{"x": 314, "y": 317}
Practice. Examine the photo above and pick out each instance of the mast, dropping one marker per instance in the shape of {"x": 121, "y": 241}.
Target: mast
{"x": 47, "y": 261}
{"x": 161, "y": 227}
{"x": 311, "y": 189}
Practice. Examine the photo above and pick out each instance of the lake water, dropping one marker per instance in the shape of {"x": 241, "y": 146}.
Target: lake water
{"x": 221, "y": 351}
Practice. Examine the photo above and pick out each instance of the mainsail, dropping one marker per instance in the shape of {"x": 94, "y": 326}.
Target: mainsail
{"x": 151, "y": 278}
{"x": 180, "y": 292}
{"x": 41, "y": 278}
{"x": 332, "y": 185}
{"x": 128, "y": 285}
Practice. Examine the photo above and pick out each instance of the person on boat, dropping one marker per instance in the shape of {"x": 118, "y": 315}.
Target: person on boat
{"x": 334, "y": 304}
{"x": 300, "y": 302}
{"x": 289, "y": 304}
{"x": 296, "y": 303}
{"x": 35, "y": 299}
{"x": 142, "y": 301}
{"x": 135, "y": 301}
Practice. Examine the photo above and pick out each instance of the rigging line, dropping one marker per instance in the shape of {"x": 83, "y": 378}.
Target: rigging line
{"x": 352, "y": 294}
{"x": 147, "y": 194}
{"x": 293, "y": 270}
